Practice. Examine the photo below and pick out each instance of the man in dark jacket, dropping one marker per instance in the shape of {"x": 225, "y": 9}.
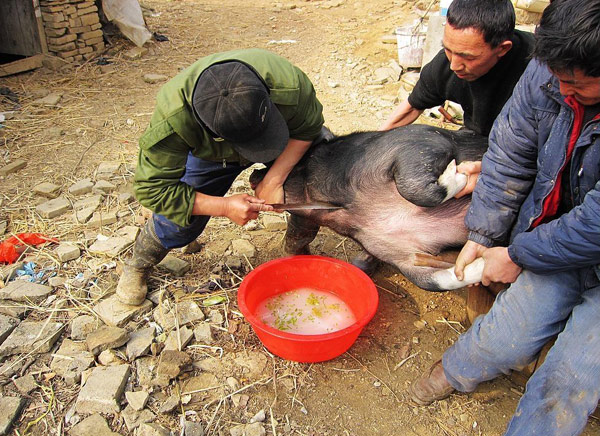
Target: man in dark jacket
{"x": 482, "y": 58}
{"x": 213, "y": 120}
{"x": 535, "y": 220}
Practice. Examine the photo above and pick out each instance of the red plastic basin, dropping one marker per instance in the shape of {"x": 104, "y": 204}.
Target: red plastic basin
{"x": 344, "y": 280}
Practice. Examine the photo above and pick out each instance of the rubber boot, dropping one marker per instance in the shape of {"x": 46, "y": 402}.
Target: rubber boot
{"x": 300, "y": 232}
{"x": 147, "y": 252}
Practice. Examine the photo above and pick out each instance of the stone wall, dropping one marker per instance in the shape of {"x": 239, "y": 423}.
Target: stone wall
{"x": 73, "y": 29}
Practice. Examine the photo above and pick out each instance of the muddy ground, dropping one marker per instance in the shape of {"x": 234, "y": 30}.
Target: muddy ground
{"x": 102, "y": 112}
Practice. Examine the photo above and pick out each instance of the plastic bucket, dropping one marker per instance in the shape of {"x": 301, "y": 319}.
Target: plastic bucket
{"x": 410, "y": 40}
{"x": 344, "y": 280}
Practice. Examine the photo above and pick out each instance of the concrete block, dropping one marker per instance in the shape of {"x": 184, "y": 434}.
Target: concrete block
{"x": 47, "y": 189}
{"x": 67, "y": 252}
{"x": 103, "y": 389}
{"x": 53, "y": 208}
{"x": 34, "y": 337}
{"x": 115, "y": 313}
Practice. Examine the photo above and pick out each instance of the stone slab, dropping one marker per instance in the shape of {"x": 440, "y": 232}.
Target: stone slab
{"x": 187, "y": 311}
{"x": 94, "y": 425}
{"x": 103, "y": 186}
{"x": 7, "y": 325}
{"x": 100, "y": 219}
{"x": 92, "y": 201}
{"x": 23, "y": 291}
{"x": 103, "y": 389}
{"x": 274, "y": 222}
{"x": 10, "y": 408}
{"x": 47, "y": 189}
{"x": 34, "y": 337}
{"x": 12, "y": 167}
{"x": 174, "y": 265}
{"x": 13, "y": 309}
{"x": 70, "y": 360}
{"x": 115, "y": 313}
{"x": 133, "y": 418}
{"x": 137, "y": 400}
{"x": 81, "y": 187}
{"x": 152, "y": 429}
{"x": 243, "y": 247}
{"x": 106, "y": 337}
{"x": 25, "y": 384}
{"x": 111, "y": 247}
{"x": 183, "y": 337}
{"x": 139, "y": 342}
{"x": 53, "y": 208}
{"x": 82, "y": 326}
{"x": 67, "y": 252}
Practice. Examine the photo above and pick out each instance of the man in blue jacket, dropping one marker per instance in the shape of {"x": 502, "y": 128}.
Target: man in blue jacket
{"x": 535, "y": 220}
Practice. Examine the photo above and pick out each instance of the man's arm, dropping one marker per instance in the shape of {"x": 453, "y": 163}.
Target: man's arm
{"x": 270, "y": 188}
{"x": 403, "y": 115}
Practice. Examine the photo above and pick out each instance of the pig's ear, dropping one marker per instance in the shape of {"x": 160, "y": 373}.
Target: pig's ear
{"x": 420, "y": 188}
{"x": 256, "y": 177}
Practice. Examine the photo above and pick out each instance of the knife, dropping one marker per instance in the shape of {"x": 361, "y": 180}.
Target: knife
{"x": 316, "y": 205}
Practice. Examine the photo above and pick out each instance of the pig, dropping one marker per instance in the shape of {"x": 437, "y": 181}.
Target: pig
{"x": 396, "y": 190}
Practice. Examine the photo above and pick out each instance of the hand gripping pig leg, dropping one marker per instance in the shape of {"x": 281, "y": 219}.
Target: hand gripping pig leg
{"x": 453, "y": 182}
{"x": 446, "y": 279}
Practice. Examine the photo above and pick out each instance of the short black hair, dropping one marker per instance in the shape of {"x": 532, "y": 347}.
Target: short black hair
{"x": 495, "y": 19}
{"x": 568, "y": 37}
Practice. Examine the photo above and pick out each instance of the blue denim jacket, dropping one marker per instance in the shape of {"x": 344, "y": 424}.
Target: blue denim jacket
{"x": 527, "y": 149}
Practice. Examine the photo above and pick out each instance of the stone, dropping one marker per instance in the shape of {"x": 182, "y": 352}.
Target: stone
{"x": 203, "y": 387}
{"x": 240, "y": 400}
{"x": 243, "y": 247}
{"x": 255, "y": 429}
{"x": 93, "y": 201}
{"x": 92, "y": 425}
{"x": 137, "y": 400}
{"x": 51, "y": 99}
{"x": 67, "y": 252}
{"x": 25, "y": 292}
{"x": 103, "y": 186}
{"x": 174, "y": 265}
{"x": 129, "y": 232}
{"x": 203, "y": 333}
{"x": 10, "y": 408}
{"x": 152, "y": 429}
{"x": 57, "y": 281}
{"x": 8, "y": 272}
{"x": 115, "y": 313}
{"x": 111, "y": 247}
{"x": 70, "y": 360}
{"x": 12, "y": 167}
{"x": 135, "y": 53}
{"x": 107, "y": 169}
{"x": 237, "y": 430}
{"x": 25, "y": 384}
{"x": 125, "y": 198}
{"x": 102, "y": 390}
{"x": 154, "y": 78}
{"x": 260, "y": 416}
{"x": 109, "y": 358}
{"x": 100, "y": 219}
{"x": 145, "y": 369}
{"x": 13, "y": 309}
{"x": 53, "y": 208}
{"x": 106, "y": 337}
{"x": 175, "y": 339}
{"x": 139, "y": 342}
{"x": 81, "y": 187}
{"x": 274, "y": 222}
{"x": 47, "y": 189}
{"x": 187, "y": 312}
{"x": 7, "y": 325}
{"x": 82, "y": 326}
{"x": 34, "y": 337}
{"x": 172, "y": 363}
{"x": 170, "y": 404}
{"x": 133, "y": 418}
{"x": 215, "y": 317}
{"x": 82, "y": 216}
{"x": 191, "y": 428}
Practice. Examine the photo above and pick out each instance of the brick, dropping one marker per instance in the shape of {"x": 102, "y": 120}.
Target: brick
{"x": 81, "y": 187}
{"x": 103, "y": 390}
{"x": 86, "y": 50}
{"x": 99, "y": 46}
{"x": 86, "y": 11}
{"x": 91, "y": 35}
{"x": 13, "y": 167}
{"x": 94, "y": 41}
{"x": 59, "y": 25}
{"x": 100, "y": 219}
{"x": 65, "y": 48}
{"x": 55, "y": 33}
{"x": 53, "y": 208}
{"x": 96, "y": 26}
{"x": 88, "y": 20}
{"x": 68, "y": 55}
{"x": 85, "y": 5}
{"x": 62, "y": 40}
{"x": 82, "y": 29}
{"x": 75, "y": 22}
{"x": 52, "y": 9}
{"x": 53, "y": 17}
{"x": 67, "y": 252}
{"x": 70, "y": 10}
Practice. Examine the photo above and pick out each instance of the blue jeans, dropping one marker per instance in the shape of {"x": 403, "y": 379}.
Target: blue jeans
{"x": 565, "y": 389}
{"x": 210, "y": 178}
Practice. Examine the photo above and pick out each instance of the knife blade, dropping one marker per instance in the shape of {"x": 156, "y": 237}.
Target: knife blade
{"x": 316, "y": 205}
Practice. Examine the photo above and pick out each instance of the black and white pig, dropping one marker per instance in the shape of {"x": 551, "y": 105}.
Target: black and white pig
{"x": 396, "y": 190}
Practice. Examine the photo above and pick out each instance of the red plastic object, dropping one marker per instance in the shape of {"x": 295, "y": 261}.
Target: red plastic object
{"x": 344, "y": 280}
{"x": 13, "y": 246}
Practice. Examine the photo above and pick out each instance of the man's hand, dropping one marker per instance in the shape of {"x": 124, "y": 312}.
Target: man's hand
{"x": 242, "y": 208}
{"x": 470, "y": 252}
{"x": 499, "y": 268}
{"x": 270, "y": 192}
{"x": 471, "y": 169}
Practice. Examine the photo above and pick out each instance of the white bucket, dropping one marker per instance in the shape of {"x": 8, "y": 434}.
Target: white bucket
{"x": 411, "y": 40}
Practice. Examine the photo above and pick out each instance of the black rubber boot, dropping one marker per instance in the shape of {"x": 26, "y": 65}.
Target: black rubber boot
{"x": 300, "y": 232}
{"x": 147, "y": 252}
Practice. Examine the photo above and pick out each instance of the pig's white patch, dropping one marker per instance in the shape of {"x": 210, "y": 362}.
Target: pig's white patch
{"x": 446, "y": 279}
{"x": 453, "y": 182}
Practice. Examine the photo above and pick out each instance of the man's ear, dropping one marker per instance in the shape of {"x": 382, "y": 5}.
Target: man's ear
{"x": 503, "y": 48}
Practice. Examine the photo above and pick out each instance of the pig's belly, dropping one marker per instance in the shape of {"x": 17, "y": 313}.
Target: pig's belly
{"x": 392, "y": 229}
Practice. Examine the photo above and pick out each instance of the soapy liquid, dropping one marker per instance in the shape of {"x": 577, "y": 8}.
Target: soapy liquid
{"x": 305, "y": 311}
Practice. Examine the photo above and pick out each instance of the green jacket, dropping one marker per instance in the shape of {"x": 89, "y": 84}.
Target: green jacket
{"x": 173, "y": 131}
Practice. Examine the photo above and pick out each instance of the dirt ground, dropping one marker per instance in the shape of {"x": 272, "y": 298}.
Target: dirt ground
{"x": 103, "y": 111}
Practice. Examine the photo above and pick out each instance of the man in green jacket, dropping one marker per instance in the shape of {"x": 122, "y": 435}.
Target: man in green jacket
{"x": 213, "y": 120}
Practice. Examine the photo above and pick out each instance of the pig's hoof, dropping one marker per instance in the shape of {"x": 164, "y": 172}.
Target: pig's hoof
{"x": 451, "y": 180}
{"x": 446, "y": 279}
{"x": 367, "y": 264}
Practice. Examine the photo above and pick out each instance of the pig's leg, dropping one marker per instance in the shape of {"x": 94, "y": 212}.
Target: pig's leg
{"x": 366, "y": 262}
{"x": 300, "y": 232}
{"x": 446, "y": 279}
